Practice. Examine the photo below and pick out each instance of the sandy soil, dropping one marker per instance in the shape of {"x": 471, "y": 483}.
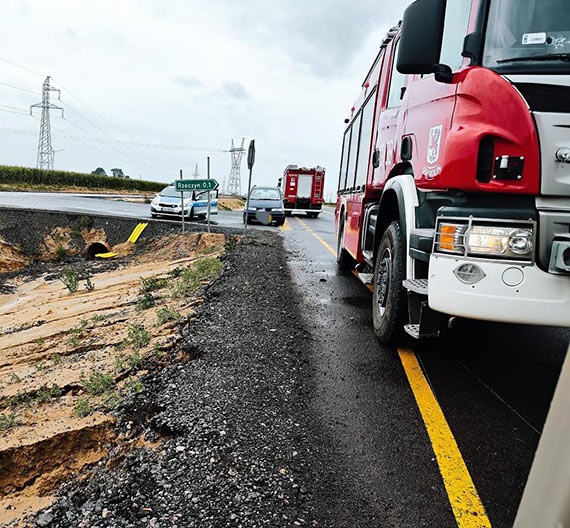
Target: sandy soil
{"x": 230, "y": 203}
{"x": 67, "y": 359}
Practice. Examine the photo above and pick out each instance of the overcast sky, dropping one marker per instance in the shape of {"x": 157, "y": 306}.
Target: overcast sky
{"x": 187, "y": 73}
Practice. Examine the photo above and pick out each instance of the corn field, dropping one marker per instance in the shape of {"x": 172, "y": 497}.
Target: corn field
{"x": 55, "y": 178}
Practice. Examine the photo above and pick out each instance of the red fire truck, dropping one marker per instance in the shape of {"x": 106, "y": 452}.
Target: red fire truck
{"x": 303, "y": 190}
{"x": 454, "y": 187}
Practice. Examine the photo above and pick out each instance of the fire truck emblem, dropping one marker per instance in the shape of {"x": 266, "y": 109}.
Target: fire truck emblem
{"x": 433, "y": 144}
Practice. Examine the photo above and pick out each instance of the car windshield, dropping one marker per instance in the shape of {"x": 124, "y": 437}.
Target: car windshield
{"x": 528, "y": 35}
{"x": 171, "y": 192}
{"x": 265, "y": 193}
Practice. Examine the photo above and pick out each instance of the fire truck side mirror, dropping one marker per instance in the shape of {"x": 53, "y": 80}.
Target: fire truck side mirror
{"x": 376, "y": 159}
{"x": 421, "y": 37}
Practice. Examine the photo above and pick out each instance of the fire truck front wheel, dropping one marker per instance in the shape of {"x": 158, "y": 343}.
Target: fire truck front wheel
{"x": 388, "y": 299}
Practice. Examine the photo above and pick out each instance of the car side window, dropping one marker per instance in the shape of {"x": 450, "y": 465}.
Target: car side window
{"x": 344, "y": 160}
{"x": 454, "y": 31}
{"x": 351, "y": 172}
{"x": 397, "y": 82}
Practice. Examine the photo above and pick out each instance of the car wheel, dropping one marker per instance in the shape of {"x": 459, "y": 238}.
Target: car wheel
{"x": 389, "y": 305}
{"x": 343, "y": 259}
{"x": 153, "y": 215}
{"x": 288, "y": 213}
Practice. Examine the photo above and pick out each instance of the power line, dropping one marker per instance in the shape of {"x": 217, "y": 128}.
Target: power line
{"x": 20, "y": 88}
{"x": 22, "y": 67}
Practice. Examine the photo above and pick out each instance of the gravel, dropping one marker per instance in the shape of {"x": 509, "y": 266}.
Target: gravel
{"x": 234, "y": 420}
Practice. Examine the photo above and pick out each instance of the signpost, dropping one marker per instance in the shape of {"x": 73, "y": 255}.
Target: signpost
{"x": 181, "y": 200}
{"x": 250, "y": 162}
{"x": 209, "y": 196}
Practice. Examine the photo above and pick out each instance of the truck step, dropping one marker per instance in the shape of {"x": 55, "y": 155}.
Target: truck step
{"x": 416, "y": 285}
{"x": 366, "y": 278}
{"x": 415, "y": 332}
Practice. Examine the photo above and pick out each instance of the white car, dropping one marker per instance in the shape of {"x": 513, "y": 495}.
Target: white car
{"x": 168, "y": 202}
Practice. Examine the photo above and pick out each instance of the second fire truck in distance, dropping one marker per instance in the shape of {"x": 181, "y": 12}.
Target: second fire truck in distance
{"x": 454, "y": 187}
{"x": 303, "y": 190}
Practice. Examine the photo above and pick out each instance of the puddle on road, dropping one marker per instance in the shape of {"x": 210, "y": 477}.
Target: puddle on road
{"x": 67, "y": 359}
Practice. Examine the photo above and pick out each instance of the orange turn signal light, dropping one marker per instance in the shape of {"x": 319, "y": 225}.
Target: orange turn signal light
{"x": 447, "y": 237}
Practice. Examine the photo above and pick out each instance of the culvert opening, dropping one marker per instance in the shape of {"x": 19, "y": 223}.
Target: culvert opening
{"x": 95, "y": 249}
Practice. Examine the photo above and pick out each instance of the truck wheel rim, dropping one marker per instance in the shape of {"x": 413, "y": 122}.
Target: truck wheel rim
{"x": 383, "y": 280}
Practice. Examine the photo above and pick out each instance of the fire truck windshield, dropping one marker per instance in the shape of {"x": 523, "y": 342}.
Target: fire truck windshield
{"x": 528, "y": 35}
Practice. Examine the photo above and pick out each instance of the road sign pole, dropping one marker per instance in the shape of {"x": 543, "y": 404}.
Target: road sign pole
{"x": 209, "y": 196}
{"x": 182, "y": 202}
{"x": 250, "y": 162}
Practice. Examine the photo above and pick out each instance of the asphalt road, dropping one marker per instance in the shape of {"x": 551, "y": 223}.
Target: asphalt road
{"x": 99, "y": 205}
{"x": 493, "y": 383}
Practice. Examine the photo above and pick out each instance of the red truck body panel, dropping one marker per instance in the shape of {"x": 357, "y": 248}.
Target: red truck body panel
{"x": 445, "y": 124}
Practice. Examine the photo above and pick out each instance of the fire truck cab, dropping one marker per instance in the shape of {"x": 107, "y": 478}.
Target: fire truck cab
{"x": 454, "y": 186}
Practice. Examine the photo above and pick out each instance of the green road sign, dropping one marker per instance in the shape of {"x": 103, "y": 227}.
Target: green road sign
{"x": 196, "y": 185}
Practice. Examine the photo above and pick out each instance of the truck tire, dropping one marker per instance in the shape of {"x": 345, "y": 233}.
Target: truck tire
{"x": 343, "y": 259}
{"x": 389, "y": 307}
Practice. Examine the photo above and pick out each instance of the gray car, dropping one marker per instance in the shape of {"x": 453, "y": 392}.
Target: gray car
{"x": 265, "y": 206}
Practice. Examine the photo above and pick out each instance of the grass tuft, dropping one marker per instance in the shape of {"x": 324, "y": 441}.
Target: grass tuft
{"x": 83, "y": 408}
{"x": 166, "y": 314}
{"x": 7, "y": 421}
{"x": 138, "y": 337}
{"x": 98, "y": 383}
{"x": 70, "y": 279}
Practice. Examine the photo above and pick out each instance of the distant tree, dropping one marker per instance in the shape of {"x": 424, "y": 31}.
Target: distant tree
{"x": 118, "y": 173}
{"x": 100, "y": 171}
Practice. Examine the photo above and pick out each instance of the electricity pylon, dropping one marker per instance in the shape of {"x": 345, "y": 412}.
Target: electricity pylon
{"x": 234, "y": 181}
{"x": 46, "y": 154}
{"x": 196, "y": 175}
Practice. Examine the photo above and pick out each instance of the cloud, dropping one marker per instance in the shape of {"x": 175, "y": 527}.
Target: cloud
{"x": 234, "y": 90}
{"x": 189, "y": 82}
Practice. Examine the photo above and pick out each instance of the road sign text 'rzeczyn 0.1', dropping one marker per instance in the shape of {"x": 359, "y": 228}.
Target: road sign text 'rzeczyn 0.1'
{"x": 196, "y": 185}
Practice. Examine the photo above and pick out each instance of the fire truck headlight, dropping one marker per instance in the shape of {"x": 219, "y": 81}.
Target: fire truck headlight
{"x": 520, "y": 241}
{"x": 500, "y": 241}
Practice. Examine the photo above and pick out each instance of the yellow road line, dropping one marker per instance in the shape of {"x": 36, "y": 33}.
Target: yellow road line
{"x": 316, "y": 236}
{"x": 463, "y": 497}
{"x": 285, "y": 226}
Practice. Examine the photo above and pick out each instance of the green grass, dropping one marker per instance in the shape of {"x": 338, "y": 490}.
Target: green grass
{"x": 70, "y": 279}
{"x": 138, "y": 337}
{"x": 98, "y": 383}
{"x": 191, "y": 278}
{"x": 166, "y": 314}
{"x": 83, "y": 408}
{"x": 151, "y": 284}
{"x": 132, "y": 361}
{"x": 61, "y": 253}
{"x": 145, "y": 302}
{"x": 7, "y": 421}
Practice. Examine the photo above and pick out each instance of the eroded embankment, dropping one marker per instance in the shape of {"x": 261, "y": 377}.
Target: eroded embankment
{"x": 73, "y": 348}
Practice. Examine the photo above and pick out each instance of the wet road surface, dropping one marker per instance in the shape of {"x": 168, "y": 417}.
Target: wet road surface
{"x": 493, "y": 383}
